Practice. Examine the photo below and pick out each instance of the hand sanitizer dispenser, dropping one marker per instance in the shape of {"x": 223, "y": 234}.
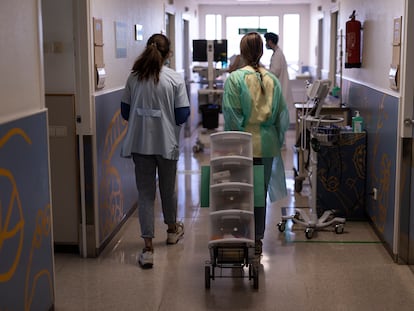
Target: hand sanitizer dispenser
{"x": 357, "y": 123}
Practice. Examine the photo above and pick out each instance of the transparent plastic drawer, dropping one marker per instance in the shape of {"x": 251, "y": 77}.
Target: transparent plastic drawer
{"x": 231, "y": 226}
{"x": 231, "y": 169}
{"x": 237, "y": 196}
{"x": 230, "y": 143}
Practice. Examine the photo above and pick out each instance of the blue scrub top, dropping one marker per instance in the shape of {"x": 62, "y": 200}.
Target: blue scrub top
{"x": 152, "y": 129}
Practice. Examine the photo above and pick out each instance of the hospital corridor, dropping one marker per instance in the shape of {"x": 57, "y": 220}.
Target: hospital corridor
{"x": 96, "y": 96}
{"x": 351, "y": 271}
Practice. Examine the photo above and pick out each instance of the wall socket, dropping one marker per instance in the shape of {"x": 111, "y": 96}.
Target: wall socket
{"x": 375, "y": 193}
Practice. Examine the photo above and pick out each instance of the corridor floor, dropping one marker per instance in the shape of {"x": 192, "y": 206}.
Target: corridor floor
{"x": 349, "y": 271}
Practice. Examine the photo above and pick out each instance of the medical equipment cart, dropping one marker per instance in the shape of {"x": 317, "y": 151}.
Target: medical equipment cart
{"x": 231, "y": 201}
{"x": 209, "y": 98}
{"x": 301, "y": 152}
{"x": 322, "y": 131}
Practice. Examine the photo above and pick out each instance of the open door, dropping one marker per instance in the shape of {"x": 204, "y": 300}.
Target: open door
{"x": 406, "y": 217}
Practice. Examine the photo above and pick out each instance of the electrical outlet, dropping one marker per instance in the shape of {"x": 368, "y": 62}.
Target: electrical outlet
{"x": 375, "y": 193}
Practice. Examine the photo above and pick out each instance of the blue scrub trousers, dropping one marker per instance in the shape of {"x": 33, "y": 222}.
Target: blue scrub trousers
{"x": 146, "y": 169}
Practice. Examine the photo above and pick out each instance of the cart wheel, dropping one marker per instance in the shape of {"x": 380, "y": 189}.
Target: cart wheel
{"x": 309, "y": 233}
{"x": 339, "y": 228}
{"x": 281, "y": 226}
{"x": 207, "y": 276}
{"x": 255, "y": 277}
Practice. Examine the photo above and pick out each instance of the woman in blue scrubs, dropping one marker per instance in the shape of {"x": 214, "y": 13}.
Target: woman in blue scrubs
{"x": 155, "y": 104}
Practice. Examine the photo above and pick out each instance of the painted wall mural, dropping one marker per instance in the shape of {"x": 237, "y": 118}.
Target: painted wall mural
{"x": 380, "y": 113}
{"x": 111, "y": 199}
{"x": 341, "y": 177}
{"x": 26, "y": 254}
{"x": 116, "y": 179}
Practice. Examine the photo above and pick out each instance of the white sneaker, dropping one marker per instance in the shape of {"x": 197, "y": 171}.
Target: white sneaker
{"x": 146, "y": 259}
{"x": 173, "y": 237}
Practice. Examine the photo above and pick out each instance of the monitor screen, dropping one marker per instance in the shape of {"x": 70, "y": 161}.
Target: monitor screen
{"x": 200, "y": 50}
{"x": 220, "y": 50}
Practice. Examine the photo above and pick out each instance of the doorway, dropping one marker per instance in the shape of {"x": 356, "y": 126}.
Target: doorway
{"x": 319, "y": 56}
{"x": 60, "y": 72}
{"x": 170, "y": 33}
{"x": 406, "y": 218}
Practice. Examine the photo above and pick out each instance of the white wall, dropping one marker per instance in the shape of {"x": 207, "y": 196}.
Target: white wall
{"x": 377, "y": 20}
{"x": 131, "y": 12}
{"x": 150, "y": 14}
{"x": 21, "y": 68}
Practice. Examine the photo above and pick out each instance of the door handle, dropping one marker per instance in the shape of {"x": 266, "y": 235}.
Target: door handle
{"x": 408, "y": 122}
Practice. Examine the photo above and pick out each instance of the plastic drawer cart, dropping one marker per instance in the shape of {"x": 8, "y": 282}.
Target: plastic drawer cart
{"x": 231, "y": 202}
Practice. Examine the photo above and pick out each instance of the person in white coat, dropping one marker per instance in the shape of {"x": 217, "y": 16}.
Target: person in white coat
{"x": 278, "y": 66}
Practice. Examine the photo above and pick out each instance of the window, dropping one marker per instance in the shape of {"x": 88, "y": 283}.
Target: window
{"x": 213, "y": 26}
{"x": 291, "y": 41}
{"x": 234, "y": 23}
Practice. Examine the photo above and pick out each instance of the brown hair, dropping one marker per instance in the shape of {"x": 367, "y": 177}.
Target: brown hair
{"x": 148, "y": 65}
{"x": 251, "y": 49}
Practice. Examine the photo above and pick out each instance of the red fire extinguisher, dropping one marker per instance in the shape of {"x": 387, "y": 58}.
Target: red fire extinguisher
{"x": 353, "y": 43}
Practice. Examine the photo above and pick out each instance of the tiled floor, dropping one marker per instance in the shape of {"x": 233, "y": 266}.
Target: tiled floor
{"x": 349, "y": 271}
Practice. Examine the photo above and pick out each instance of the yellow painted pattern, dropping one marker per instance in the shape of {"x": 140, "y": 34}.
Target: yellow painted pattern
{"x": 383, "y": 180}
{"x": 15, "y": 232}
{"x": 10, "y": 231}
{"x": 110, "y": 190}
{"x": 42, "y": 229}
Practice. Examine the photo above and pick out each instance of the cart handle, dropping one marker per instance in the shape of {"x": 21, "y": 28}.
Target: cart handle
{"x": 231, "y": 163}
{"x": 231, "y": 190}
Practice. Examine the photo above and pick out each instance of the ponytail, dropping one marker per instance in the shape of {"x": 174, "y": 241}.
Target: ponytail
{"x": 251, "y": 49}
{"x": 149, "y": 64}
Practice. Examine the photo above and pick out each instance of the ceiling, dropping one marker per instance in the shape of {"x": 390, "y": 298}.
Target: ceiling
{"x": 254, "y": 2}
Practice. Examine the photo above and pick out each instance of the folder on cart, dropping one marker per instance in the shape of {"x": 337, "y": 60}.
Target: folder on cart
{"x": 258, "y": 186}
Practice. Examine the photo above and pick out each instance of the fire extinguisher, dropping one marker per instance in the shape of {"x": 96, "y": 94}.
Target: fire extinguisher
{"x": 353, "y": 42}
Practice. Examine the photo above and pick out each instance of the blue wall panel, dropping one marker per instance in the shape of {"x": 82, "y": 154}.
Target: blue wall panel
{"x": 380, "y": 113}
{"x": 26, "y": 254}
{"x": 117, "y": 192}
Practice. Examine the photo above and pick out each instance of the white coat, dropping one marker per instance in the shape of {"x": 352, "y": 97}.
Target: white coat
{"x": 278, "y": 66}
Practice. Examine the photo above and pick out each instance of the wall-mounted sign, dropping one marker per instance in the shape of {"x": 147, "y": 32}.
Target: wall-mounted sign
{"x": 120, "y": 40}
{"x": 243, "y": 31}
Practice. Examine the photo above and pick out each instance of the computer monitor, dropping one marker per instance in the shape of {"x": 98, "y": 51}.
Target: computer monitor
{"x": 317, "y": 91}
{"x": 220, "y": 50}
{"x": 200, "y": 48}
